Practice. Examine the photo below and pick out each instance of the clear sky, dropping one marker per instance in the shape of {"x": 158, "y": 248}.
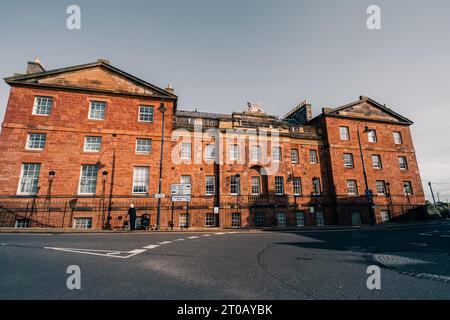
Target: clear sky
{"x": 219, "y": 54}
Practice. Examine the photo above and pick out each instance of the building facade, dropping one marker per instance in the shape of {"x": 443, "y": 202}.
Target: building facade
{"x": 80, "y": 144}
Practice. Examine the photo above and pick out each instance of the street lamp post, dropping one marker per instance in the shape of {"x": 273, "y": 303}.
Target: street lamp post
{"x": 104, "y": 178}
{"x": 161, "y": 109}
{"x": 388, "y": 193}
{"x": 368, "y": 192}
{"x": 51, "y": 177}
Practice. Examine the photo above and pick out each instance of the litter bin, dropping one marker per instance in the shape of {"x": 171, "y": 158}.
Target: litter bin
{"x": 145, "y": 221}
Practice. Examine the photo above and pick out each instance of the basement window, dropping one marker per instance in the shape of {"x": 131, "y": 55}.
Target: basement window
{"x": 82, "y": 223}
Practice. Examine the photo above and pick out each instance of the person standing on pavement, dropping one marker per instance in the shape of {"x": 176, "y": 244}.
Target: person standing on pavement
{"x": 132, "y": 215}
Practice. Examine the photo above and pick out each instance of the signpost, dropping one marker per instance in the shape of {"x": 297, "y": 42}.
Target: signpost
{"x": 181, "y": 193}
{"x": 181, "y": 199}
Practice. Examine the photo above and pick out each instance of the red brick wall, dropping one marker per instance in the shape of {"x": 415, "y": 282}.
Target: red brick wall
{"x": 66, "y": 128}
{"x": 389, "y": 153}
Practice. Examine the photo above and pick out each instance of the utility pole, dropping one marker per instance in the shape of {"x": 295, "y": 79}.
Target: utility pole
{"x": 432, "y": 193}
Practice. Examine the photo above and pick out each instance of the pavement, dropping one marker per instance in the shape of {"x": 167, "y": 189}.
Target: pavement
{"x": 226, "y": 264}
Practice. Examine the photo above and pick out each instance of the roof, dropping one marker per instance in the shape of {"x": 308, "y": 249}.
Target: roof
{"x": 203, "y": 115}
{"x": 336, "y": 112}
{"x": 25, "y": 78}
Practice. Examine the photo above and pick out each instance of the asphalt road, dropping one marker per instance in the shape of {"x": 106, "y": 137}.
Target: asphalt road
{"x": 414, "y": 263}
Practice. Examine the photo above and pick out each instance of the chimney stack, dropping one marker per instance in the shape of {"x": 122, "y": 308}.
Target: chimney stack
{"x": 327, "y": 110}
{"x": 35, "y": 67}
{"x": 170, "y": 89}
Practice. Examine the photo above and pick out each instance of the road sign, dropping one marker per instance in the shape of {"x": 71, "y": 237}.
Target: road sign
{"x": 181, "y": 198}
{"x": 181, "y": 189}
{"x": 160, "y": 196}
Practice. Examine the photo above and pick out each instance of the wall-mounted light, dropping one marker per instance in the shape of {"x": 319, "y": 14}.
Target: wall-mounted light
{"x": 51, "y": 175}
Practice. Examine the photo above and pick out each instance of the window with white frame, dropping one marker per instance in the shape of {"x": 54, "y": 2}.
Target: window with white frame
{"x": 97, "y": 110}
{"x": 320, "y": 221}
{"x": 403, "y": 163}
{"x": 234, "y": 185}
{"x": 210, "y": 152}
{"x": 258, "y": 219}
{"x": 82, "y": 223}
{"x": 29, "y": 178}
{"x": 384, "y": 216}
{"x": 381, "y": 187}
{"x": 256, "y": 186}
{"x": 352, "y": 187}
{"x": 146, "y": 113}
{"x": 316, "y": 186}
{"x": 36, "y": 141}
{"x": 92, "y": 144}
{"x": 22, "y": 223}
{"x": 397, "y": 137}
{"x": 256, "y": 153}
{"x": 356, "y": 218}
{"x": 279, "y": 186}
{"x": 297, "y": 184}
{"x": 276, "y": 153}
{"x": 313, "y": 156}
{"x": 185, "y": 151}
{"x": 294, "y": 155}
{"x": 281, "y": 219}
{"x": 348, "y": 160}
{"x": 88, "y": 179}
{"x": 185, "y": 179}
{"x": 376, "y": 161}
{"x": 234, "y": 152}
{"x": 210, "y": 220}
{"x": 407, "y": 188}
{"x": 143, "y": 146}
{"x": 209, "y": 186}
{"x": 372, "y": 136}
{"x": 344, "y": 132}
{"x": 300, "y": 217}
{"x": 140, "y": 179}
{"x": 183, "y": 220}
{"x": 236, "y": 220}
{"x": 42, "y": 106}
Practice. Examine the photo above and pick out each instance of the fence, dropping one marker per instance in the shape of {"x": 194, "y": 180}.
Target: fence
{"x": 101, "y": 212}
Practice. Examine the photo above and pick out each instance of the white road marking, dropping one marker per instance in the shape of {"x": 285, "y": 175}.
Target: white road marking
{"x": 445, "y": 236}
{"x": 103, "y": 253}
{"x": 418, "y": 244}
{"x": 152, "y": 246}
{"x": 425, "y": 234}
{"x": 122, "y": 254}
{"x": 233, "y": 232}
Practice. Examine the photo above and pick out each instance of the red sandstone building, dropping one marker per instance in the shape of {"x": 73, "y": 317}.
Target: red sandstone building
{"x": 79, "y": 144}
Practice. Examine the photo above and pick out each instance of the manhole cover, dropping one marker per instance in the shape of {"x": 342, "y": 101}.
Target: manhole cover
{"x": 435, "y": 266}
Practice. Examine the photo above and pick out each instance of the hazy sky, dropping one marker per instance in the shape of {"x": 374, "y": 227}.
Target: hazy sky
{"x": 219, "y": 54}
